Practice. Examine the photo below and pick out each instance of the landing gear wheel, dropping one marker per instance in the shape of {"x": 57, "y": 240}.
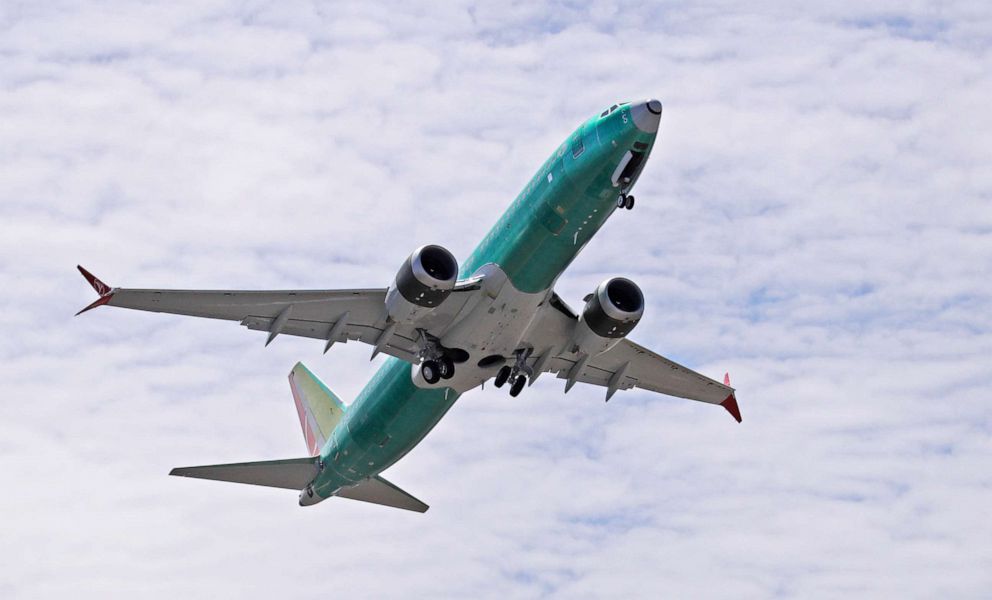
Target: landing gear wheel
{"x": 629, "y": 204}
{"x": 447, "y": 367}
{"x": 518, "y": 385}
{"x": 430, "y": 371}
{"x": 622, "y": 201}
{"x": 502, "y": 376}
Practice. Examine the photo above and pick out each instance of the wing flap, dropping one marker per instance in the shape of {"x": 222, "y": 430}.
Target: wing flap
{"x": 401, "y": 343}
{"x": 658, "y": 374}
{"x": 646, "y": 370}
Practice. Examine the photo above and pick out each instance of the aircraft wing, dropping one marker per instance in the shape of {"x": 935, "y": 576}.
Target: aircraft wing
{"x": 328, "y": 315}
{"x": 626, "y": 365}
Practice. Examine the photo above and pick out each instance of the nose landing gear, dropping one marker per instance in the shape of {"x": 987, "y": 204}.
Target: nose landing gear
{"x": 625, "y": 200}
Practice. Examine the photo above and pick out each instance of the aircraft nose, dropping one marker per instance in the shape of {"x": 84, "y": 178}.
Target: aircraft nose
{"x": 646, "y": 115}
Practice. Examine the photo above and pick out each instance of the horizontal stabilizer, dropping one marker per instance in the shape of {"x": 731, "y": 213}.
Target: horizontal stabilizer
{"x": 379, "y": 491}
{"x": 291, "y": 474}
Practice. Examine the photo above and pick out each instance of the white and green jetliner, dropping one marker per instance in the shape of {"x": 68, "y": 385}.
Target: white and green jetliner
{"x": 449, "y": 329}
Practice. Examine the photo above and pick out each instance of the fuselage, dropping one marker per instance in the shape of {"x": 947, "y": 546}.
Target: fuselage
{"x": 549, "y": 222}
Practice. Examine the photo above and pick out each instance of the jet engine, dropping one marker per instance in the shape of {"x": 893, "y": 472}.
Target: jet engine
{"x": 611, "y": 312}
{"x": 424, "y": 281}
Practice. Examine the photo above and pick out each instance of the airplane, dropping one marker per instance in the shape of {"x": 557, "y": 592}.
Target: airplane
{"x": 448, "y": 329}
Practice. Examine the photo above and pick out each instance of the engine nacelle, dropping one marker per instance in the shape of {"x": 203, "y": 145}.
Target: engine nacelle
{"x": 611, "y": 312}
{"x": 424, "y": 281}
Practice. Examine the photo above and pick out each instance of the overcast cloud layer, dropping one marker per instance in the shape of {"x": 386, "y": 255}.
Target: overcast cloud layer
{"x": 815, "y": 219}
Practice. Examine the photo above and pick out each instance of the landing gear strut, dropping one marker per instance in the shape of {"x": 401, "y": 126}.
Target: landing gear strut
{"x": 436, "y": 363}
{"x": 516, "y": 374}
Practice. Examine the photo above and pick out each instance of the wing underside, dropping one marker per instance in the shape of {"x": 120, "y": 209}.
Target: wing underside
{"x": 328, "y": 315}
{"x": 360, "y": 314}
{"x": 627, "y": 365}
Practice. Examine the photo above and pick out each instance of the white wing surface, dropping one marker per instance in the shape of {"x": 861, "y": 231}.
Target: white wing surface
{"x": 626, "y": 365}
{"x": 328, "y": 315}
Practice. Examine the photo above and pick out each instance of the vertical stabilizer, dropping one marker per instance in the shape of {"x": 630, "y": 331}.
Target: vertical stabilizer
{"x": 317, "y": 406}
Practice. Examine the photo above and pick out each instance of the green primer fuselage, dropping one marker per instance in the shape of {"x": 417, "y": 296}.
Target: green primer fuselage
{"x": 549, "y": 222}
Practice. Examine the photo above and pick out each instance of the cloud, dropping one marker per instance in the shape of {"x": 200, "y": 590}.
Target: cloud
{"x": 815, "y": 219}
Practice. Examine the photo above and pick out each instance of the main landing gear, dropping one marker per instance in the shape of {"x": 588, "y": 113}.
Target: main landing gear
{"x": 436, "y": 370}
{"x": 518, "y": 385}
{"x": 502, "y": 376}
{"x": 437, "y": 363}
{"x": 505, "y": 374}
{"x": 517, "y": 374}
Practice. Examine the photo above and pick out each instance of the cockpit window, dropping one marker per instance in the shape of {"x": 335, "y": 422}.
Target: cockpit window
{"x": 612, "y": 108}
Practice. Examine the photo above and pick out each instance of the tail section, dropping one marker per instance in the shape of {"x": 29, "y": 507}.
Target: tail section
{"x": 320, "y": 411}
{"x": 317, "y": 406}
{"x": 298, "y": 474}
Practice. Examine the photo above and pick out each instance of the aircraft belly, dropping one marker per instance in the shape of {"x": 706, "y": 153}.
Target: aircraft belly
{"x": 498, "y": 320}
{"x": 389, "y": 417}
{"x": 397, "y": 409}
{"x": 521, "y": 257}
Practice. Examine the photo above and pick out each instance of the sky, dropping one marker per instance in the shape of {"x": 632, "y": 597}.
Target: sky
{"x": 816, "y": 219}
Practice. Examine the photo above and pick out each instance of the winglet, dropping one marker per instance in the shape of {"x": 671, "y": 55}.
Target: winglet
{"x": 731, "y": 405}
{"x": 726, "y": 379}
{"x": 105, "y": 291}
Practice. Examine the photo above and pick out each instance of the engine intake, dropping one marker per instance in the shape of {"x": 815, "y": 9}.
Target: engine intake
{"x": 615, "y": 308}
{"x": 611, "y": 312}
{"x": 424, "y": 281}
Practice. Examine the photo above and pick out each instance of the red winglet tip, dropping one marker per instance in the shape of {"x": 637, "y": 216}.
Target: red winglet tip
{"x": 101, "y": 288}
{"x": 726, "y": 378}
{"x": 731, "y": 405}
{"x": 98, "y": 302}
